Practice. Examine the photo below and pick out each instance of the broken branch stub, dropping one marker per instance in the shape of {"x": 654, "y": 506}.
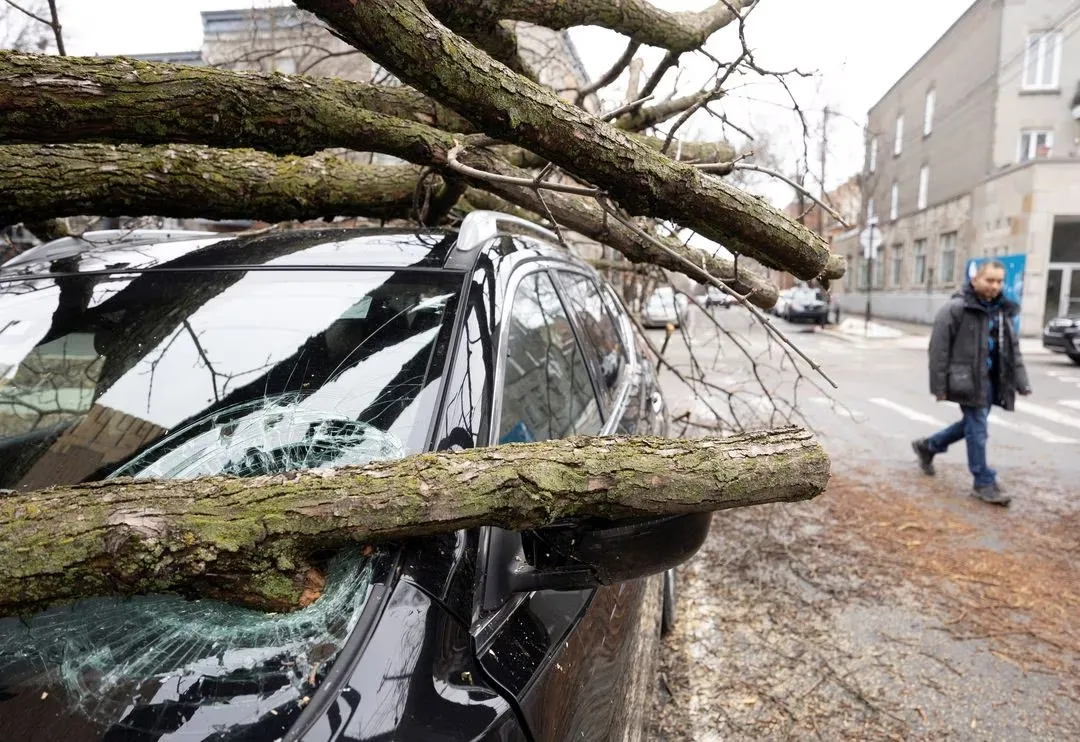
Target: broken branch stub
{"x": 252, "y": 541}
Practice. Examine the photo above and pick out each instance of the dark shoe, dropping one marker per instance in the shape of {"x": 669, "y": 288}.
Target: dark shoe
{"x": 992, "y": 494}
{"x": 926, "y": 456}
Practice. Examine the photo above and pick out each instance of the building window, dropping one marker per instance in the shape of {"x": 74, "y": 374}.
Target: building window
{"x": 873, "y": 155}
{"x": 918, "y": 273}
{"x": 864, "y": 272}
{"x": 894, "y": 202}
{"x": 948, "y": 258}
{"x": 1035, "y": 145}
{"x": 896, "y": 275}
{"x": 1042, "y": 61}
{"x": 928, "y": 113}
{"x": 879, "y": 272}
{"x": 898, "y": 142}
{"x": 924, "y": 185}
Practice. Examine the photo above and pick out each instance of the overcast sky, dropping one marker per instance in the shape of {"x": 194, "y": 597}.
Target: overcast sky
{"x": 858, "y": 48}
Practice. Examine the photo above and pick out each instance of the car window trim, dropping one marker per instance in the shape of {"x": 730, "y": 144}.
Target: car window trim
{"x": 618, "y": 395}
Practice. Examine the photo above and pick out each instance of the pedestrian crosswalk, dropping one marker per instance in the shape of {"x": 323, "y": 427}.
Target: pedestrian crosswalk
{"x": 1018, "y": 422}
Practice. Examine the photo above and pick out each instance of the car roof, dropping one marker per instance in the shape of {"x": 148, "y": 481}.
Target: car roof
{"x": 394, "y": 248}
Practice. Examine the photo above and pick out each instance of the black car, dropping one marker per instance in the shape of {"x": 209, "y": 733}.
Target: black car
{"x": 180, "y": 355}
{"x": 1062, "y": 335}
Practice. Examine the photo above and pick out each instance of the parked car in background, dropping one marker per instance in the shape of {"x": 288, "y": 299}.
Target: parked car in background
{"x": 807, "y": 304}
{"x": 717, "y": 298}
{"x": 782, "y": 300}
{"x": 1062, "y": 335}
{"x": 665, "y": 306}
{"x": 249, "y": 355}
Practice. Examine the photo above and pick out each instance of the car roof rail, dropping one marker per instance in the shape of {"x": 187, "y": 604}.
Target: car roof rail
{"x": 67, "y": 247}
{"x": 481, "y": 226}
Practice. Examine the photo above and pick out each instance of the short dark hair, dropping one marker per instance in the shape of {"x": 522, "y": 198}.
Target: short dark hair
{"x": 983, "y": 267}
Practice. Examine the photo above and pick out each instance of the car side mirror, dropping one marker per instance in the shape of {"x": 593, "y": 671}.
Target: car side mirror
{"x": 589, "y": 555}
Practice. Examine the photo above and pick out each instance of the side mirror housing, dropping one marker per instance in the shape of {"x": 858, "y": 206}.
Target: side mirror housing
{"x": 589, "y": 555}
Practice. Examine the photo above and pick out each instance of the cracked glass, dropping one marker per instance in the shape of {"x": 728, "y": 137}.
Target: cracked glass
{"x": 184, "y": 374}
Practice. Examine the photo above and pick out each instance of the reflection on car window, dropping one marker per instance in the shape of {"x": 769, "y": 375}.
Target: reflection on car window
{"x": 547, "y": 391}
{"x": 182, "y": 375}
{"x": 601, "y": 344}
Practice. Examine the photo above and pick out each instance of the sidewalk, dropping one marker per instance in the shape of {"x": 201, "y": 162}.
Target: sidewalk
{"x": 895, "y": 334}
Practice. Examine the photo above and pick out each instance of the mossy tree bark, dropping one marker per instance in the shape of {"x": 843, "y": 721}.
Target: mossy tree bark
{"x": 181, "y": 180}
{"x": 251, "y": 540}
{"x": 192, "y": 181}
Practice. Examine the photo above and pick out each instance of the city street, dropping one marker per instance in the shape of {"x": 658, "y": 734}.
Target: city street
{"x": 894, "y": 605}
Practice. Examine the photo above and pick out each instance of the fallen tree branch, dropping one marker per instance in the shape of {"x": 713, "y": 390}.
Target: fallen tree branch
{"x": 406, "y": 39}
{"x": 252, "y": 540}
{"x": 53, "y": 100}
{"x": 585, "y": 216}
{"x": 640, "y": 20}
{"x": 44, "y": 182}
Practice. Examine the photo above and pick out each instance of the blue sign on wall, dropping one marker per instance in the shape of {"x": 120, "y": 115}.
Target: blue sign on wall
{"x": 1014, "y": 278}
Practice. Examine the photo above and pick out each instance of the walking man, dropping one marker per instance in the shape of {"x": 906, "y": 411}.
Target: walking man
{"x": 975, "y": 362}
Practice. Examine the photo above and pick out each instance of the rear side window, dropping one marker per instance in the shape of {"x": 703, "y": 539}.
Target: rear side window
{"x": 602, "y": 345}
{"x": 547, "y": 391}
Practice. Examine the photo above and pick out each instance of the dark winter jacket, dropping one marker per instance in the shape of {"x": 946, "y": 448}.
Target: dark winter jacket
{"x": 960, "y": 352}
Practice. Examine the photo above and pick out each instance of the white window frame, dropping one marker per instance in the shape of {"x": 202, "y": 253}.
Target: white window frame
{"x": 1039, "y": 47}
{"x": 870, "y": 210}
{"x": 873, "y": 154}
{"x": 898, "y": 136}
{"x": 894, "y": 202}
{"x": 896, "y": 265}
{"x": 947, "y": 246}
{"x": 1028, "y": 149}
{"x": 928, "y": 112}
{"x": 918, "y": 262}
{"x": 924, "y": 186}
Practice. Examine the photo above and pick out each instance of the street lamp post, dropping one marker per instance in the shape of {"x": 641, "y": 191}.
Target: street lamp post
{"x": 869, "y": 246}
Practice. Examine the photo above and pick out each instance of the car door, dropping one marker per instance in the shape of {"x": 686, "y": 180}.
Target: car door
{"x": 566, "y": 655}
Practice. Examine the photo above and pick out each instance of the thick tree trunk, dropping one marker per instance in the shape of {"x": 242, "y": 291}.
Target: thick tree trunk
{"x": 191, "y": 181}
{"x": 41, "y": 182}
{"x": 54, "y": 100}
{"x": 251, "y": 540}
{"x": 405, "y": 38}
{"x": 61, "y": 100}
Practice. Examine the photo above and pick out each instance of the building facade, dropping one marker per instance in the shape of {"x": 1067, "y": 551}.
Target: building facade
{"x": 975, "y": 152}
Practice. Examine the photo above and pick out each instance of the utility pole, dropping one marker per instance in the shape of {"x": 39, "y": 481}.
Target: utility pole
{"x": 824, "y": 154}
{"x": 869, "y": 278}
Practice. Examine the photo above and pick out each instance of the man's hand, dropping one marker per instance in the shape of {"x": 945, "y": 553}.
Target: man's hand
{"x": 940, "y": 398}
{"x": 1024, "y": 392}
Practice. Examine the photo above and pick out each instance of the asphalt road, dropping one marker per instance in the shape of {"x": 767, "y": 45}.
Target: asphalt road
{"x": 894, "y": 606}
{"x": 881, "y": 401}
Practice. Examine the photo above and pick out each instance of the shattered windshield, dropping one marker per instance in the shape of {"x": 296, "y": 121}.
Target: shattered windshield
{"x": 185, "y": 374}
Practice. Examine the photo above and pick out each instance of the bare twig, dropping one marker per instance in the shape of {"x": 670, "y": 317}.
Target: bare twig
{"x": 471, "y": 172}
{"x": 625, "y": 108}
{"x": 770, "y": 327}
{"x": 609, "y": 77}
{"x": 774, "y": 174}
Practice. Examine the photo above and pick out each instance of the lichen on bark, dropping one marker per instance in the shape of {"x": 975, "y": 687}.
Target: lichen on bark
{"x": 252, "y": 541}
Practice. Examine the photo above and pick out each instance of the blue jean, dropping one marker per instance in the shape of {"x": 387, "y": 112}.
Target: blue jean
{"x": 972, "y": 428}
